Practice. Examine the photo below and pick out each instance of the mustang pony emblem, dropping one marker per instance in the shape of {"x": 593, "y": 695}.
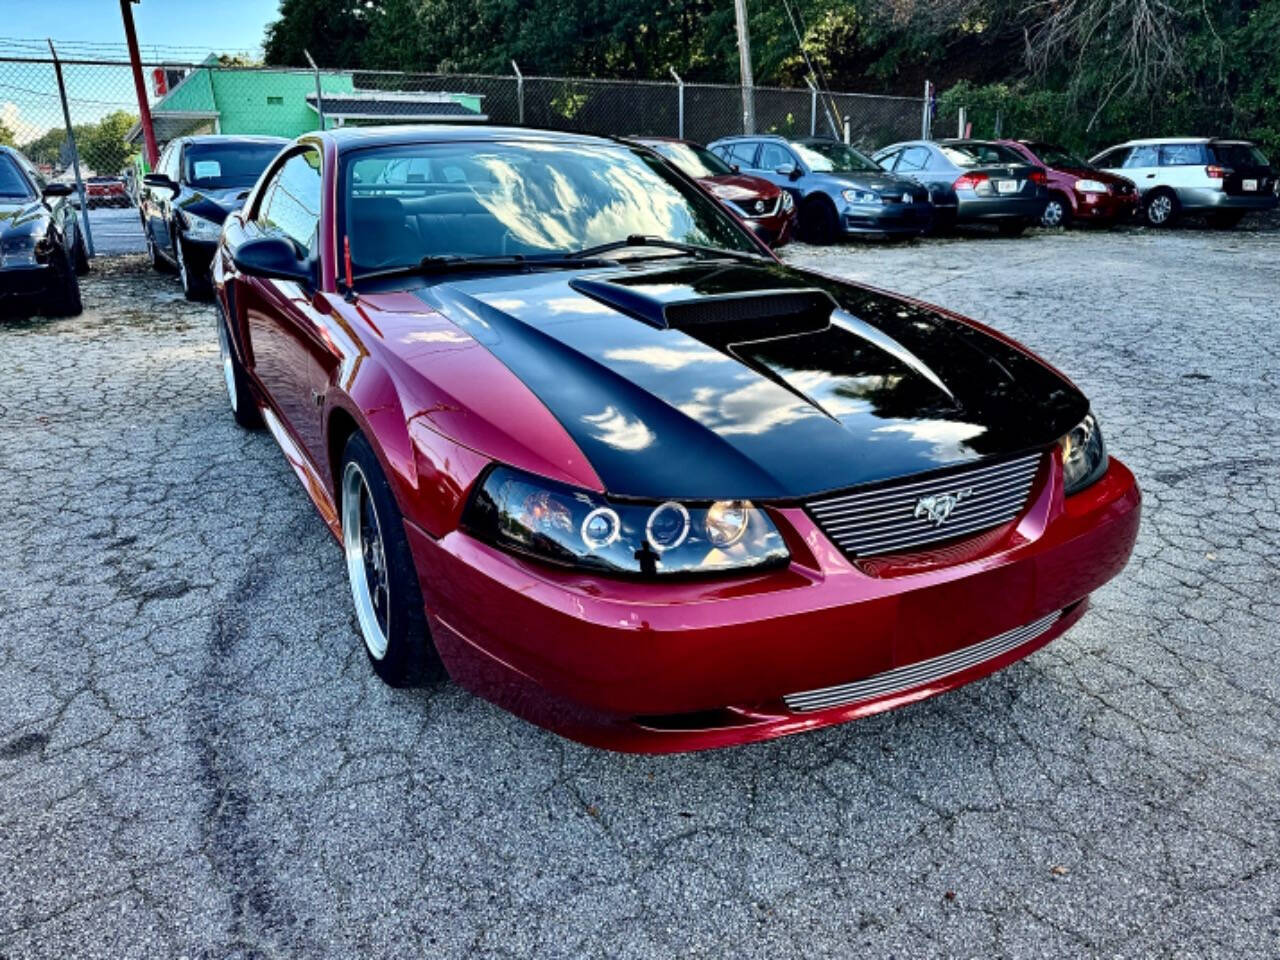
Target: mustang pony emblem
{"x": 937, "y": 507}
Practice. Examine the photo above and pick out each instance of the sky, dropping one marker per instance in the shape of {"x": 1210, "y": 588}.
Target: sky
{"x": 224, "y": 26}
{"x": 173, "y": 30}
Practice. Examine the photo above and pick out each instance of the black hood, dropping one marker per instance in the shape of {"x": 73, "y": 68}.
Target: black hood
{"x": 20, "y": 212}
{"x": 213, "y": 205}
{"x": 700, "y": 380}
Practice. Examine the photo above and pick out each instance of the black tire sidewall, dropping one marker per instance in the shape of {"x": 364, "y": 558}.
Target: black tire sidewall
{"x": 245, "y": 411}
{"x": 410, "y": 658}
{"x": 818, "y": 221}
{"x": 63, "y": 298}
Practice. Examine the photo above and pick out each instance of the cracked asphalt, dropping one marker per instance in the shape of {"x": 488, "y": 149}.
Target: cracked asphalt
{"x": 196, "y": 761}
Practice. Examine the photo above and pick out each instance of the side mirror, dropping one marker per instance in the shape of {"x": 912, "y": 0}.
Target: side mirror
{"x": 58, "y": 190}
{"x": 273, "y": 258}
{"x": 735, "y": 168}
{"x": 159, "y": 180}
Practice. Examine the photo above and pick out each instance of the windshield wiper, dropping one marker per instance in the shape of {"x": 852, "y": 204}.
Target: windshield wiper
{"x": 644, "y": 240}
{"x": 453, "y": 262}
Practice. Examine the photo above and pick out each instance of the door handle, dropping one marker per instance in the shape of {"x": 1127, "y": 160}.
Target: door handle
{"x": 1151, "y": 176}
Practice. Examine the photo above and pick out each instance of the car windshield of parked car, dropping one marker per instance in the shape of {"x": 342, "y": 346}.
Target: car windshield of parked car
{"x": 979, "y": 154}
{"x": 1238, "y": 155}
{"x": 535, "y": 198}
{"x": 226, "y": 166}
{"x": 1053, "y": 156}
{"x": 12, "y": 182}
{"x": 834, "y": 157}
{"x": 696, "y": 161}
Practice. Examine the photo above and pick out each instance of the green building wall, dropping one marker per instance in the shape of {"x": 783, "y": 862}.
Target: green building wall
{"x": 255, "y": 101}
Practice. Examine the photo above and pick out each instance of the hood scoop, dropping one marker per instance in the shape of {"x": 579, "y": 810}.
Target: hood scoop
{"x": 749, "y": 315}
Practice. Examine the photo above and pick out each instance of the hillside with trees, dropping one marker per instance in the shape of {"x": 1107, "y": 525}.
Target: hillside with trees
{"x": 1085, "y": 72}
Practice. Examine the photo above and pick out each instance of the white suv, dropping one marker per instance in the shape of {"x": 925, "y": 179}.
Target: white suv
{"x": 1222, "y": 179}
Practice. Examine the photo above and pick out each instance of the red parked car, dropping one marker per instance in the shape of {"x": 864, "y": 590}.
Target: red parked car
{"x": 593, "y": 450}
{"x": 106, "y": 192}
{"x": 765, "y": 207}
{"x": 1077, "y": 190}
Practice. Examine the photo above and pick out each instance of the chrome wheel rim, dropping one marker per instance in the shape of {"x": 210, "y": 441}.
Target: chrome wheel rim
{"x": 151, "y": 248}
{"x": 1160, "y": 209}
{"x": 228, "y": 368}
{"x": 366, "y": 560}
{"x": 182, "y": 266}
{"x": 1052, "y": 216}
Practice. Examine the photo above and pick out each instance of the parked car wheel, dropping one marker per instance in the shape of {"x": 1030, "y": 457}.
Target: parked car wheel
{"x": 381, "y": 570}
{"x": 239, "y": 394}
{"x": 1226, "y": 221}
{"x": 158, "y": 263}
{"x": 80, "y": 255}
{"x": 1161, "y": 208}
{"x": 818, "y": 221}
{"x": 193, "y": 287}
{"x": 1012, "y": 228}
{"x": 1057, "y": 212}
{"x": 63, "y": 298}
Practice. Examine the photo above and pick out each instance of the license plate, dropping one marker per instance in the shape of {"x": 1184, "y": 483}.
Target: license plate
{"x": 1006, "y": 186}
{"x": 1251, "y": 185}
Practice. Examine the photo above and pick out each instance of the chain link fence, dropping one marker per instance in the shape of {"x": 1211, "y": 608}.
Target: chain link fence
{"x": 98, "y": 130}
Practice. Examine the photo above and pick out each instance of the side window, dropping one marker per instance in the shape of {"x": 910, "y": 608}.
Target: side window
{"x": 743, "y": 153}
{"x": 913, "y": 158}
{"x": 162, "y": 164}
{"x": 887, "y": 160}
{"x": 1112, "y": 159}
{"x": 774, "y": 155}
{"x": 1147, "y": 156}
{"x": 291, "y": 202}
{"x": 172, "y": 168}
{"x": 1181, "y": 155}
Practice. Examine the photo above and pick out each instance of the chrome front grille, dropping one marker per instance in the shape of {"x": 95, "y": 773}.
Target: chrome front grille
{"x": 919, "y": 674}
{"x": 747, "y": 208}
{"x": 906, "y": 516}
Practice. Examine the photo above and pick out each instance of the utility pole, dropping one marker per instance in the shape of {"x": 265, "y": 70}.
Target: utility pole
{"x": 744, "y": 65}
{"x": 144, "y": 110}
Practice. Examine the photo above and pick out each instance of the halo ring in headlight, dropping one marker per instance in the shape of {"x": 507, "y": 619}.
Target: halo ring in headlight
{"x": 600, "y": 528}
{"x": 667, "y": 526}
{"x": 727, "y": 522}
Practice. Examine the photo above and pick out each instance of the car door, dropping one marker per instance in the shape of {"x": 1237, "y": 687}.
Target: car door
{"x": 772, "y": 156}
{"x": 1142, "y": 166}
{"x": 288, "y": 343}
{"x": 1182, "y": 166}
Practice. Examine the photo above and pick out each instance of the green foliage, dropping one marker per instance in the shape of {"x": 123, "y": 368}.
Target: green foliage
{"x": 102, "y": 145}
{"x": 331, "y": 30}
{"x": 46, "y": 148}
{"x": 6, "y": 136}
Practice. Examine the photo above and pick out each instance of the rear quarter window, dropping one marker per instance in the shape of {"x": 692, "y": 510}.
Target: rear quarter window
{"x": 1182, "y": 155}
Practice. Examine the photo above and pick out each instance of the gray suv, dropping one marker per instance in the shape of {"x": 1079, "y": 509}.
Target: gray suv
{"x": 839, "y": 192}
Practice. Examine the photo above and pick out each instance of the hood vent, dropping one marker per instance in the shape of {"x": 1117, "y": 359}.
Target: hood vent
{"x": 744, "y": 316}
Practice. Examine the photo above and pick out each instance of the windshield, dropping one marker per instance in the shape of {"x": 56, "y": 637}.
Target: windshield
{"x": 979, "y": 154}
{"x": 491, "y": 199}
{"x": 834, "y": 157}
{"x": 1053, "y": 156}
{"x": 12, "y": 182}
{"x": 697, "y": 162}
{"x": 224, "y": 166}
{"x": 1238, "y": 155}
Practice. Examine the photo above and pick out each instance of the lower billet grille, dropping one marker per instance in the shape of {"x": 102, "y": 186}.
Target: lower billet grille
{"x": 907, "y": 516}
{"x": 919, "y": 674}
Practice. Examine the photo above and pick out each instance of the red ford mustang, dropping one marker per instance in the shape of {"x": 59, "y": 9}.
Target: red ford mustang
{"x": 592, "y": 450}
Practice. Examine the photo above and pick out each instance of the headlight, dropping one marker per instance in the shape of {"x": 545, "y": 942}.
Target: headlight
{"x": 787, "y": 201}
{"x": 198, "y": 228}
{"x": 860, "y": 196}
{"x": 576, "y": 528}
{"x": 1084, "y": 455}
{"x": 1091, "y": 186}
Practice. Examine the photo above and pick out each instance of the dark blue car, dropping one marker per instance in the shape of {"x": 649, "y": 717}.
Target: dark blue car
{"x": 839, "y": 191}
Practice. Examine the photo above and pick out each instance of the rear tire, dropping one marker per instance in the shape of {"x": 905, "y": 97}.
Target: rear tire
{"x": 1160, "y": 208}
{"x": 244, "y": 407}
{"x": 80, "y": 256}
{"x": 818, "y": 221}
{"x": 380, "y": 568}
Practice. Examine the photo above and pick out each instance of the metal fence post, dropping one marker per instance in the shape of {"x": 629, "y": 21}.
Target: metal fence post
{"x": 679, "y": 102}
{"x": 75, "y": 153}
{"x": 961, "y": 117}
{"x": 924, "y": 113}
{"x": 519, "y": 92}
{"x": 813, "y": 108}
{"x": 848, "y": 132}
{"x": 319, "y": 93}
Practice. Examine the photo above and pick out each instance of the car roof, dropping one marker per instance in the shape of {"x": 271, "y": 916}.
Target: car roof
{"x": 776, "y": 138}
{"x": 1156, "y": 141}
{"x": 233, "y": 138}
{"x": 354, "y": 138}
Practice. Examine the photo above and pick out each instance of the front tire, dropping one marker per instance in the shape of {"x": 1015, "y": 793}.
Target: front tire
{"x": 193, "y": 287}
{"x": 80, "y": 255}
{"x": 153, "y": 252}
{"x": 818, "y": 221}
{"x": 63, "y": 298}
{"x": 380, "y": 568}
{"x": 1161, "y": 208}
{"x": 239, "y": 394}
{"x": 1057, "y": 212}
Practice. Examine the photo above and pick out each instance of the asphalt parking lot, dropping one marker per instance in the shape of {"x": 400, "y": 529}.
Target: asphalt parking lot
{"x": 116, "y": 231}
{"x": 196, "y": 761}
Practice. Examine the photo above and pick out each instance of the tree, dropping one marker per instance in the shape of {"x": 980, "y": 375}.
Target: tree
{"x": 102, "y": 145}
{"x": 6, "y": 135}
{"x": 46, "y": 148}
{"x": 331, "y": 30}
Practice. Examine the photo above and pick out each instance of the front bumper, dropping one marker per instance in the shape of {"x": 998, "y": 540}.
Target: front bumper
{"x": 1105, "y": 207}
{"x": 775, "y": 230}
{"x": 683, "y": 666}
{"x": 887, "y": 219}
{"x": 26, "y": 280}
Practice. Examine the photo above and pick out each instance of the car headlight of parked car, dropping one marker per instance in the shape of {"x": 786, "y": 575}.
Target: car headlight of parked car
{"x": 198, "y": 228}
{"x": 1084, "y": 455}
{"x": 24, "y": 248}
{"x": 1091, "y": 186}
{"x": 788, "y": 203}
{"x": 860, "y": 196}
{"x": 564, "y": 525}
